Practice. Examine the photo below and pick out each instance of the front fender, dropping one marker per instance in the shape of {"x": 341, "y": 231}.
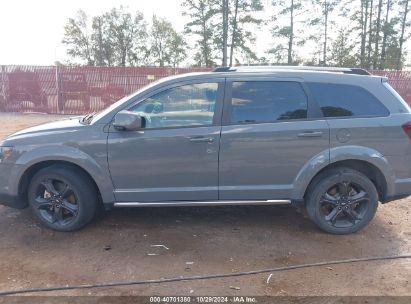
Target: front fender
{"x": 99, "y": 173}
{"x": 338, "y": 154}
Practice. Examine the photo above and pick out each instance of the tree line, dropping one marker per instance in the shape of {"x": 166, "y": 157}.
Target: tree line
{"x": 359, "y": 33}
{"x": 120, "y": 38}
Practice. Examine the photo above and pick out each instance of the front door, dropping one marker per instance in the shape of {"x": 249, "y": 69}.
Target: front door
{"x": 271, "y": 130}
{"x": 175, "y": 156}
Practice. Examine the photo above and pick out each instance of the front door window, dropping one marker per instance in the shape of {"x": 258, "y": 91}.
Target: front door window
{"x": 182, "y": 106}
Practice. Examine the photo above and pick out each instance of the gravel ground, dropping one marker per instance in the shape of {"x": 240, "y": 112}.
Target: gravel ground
{"x": 117, "y": 246}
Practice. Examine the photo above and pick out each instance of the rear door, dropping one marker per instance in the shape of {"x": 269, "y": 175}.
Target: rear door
{"x": 271, "y": 129}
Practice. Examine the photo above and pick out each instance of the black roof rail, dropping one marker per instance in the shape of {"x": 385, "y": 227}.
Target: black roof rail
{"x": 355, "y": 71}
{"x": 224, "y": 69}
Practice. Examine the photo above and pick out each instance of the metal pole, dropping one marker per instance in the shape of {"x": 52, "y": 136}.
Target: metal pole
{"x": 3, "y": 87}
{"x": 60, "y": 99}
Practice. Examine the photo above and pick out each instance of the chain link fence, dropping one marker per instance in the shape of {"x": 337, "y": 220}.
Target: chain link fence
{"x": 78, "y": 90}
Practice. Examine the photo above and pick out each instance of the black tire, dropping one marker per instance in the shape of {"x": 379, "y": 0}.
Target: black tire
{"x": 341, "y": 201}
{"x": 62, "y": 197}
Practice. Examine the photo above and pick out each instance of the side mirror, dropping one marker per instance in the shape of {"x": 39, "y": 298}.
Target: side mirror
{"x": 128, "y": 121}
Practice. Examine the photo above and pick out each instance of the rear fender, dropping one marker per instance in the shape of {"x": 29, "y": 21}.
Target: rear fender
{"x": 338, "y": 154}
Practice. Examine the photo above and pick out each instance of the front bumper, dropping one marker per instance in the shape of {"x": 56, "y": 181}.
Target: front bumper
{"x": 12, "y": 201}
{"x": 9, "y": 186}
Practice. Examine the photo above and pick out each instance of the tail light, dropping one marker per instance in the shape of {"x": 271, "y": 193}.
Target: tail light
{"x": 407, "y": 129}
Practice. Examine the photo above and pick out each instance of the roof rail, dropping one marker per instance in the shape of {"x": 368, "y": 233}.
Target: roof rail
{"x": 223, "y": 69}
{"x": 355, "y": 71}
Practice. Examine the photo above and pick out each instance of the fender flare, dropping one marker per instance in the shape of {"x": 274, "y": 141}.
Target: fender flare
{"x": 337, "y": 154}
{"x": 69, "y": 154}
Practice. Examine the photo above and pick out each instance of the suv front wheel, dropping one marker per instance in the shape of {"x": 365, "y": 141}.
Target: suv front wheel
{"x": 341, "y": 201}
{"x": 62, "y": 197}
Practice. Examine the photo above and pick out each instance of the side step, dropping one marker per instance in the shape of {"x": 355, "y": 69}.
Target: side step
{"x": 200, "y": 203}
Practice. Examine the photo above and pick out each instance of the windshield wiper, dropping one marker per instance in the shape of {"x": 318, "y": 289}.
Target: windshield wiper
{"x": 88, "y": 118}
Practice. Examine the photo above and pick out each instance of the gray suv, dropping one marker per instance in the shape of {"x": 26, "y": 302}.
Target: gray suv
{"x": 335, "y": 140}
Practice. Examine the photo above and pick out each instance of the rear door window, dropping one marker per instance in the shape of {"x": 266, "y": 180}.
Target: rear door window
{"x": 267, "y": 101}
{"x": 340, "y": 100}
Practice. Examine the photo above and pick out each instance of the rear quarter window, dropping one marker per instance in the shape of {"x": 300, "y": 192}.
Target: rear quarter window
{"x": 341, "y": 100}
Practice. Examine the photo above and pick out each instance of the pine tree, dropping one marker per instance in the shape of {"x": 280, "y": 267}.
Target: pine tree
{"x": 404, "y": 24}
{"x": 289, "y": 9}
{"x": 202, "y": 14}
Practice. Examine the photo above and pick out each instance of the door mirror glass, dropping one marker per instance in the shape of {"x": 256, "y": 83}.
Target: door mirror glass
{"x": 128, "y": 121}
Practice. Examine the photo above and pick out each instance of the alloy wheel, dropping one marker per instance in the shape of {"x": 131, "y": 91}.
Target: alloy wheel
{"x": 56, "y": 201}
{"x": 344, "y": 204}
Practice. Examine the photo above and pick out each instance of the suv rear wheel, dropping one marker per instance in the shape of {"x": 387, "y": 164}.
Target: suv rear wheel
{"x": 342, "y": 201}
{"x": 63, "y": 198}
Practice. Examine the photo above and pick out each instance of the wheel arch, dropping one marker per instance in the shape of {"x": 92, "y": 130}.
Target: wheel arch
{"x": 368, "y": 169}
{"x": 364, "y": 159}
{"x": 33, "y": 169}
{"x": 31, "y": 161}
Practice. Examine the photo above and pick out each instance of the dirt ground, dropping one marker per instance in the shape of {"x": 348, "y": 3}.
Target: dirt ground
{"x": 208, "y": 240}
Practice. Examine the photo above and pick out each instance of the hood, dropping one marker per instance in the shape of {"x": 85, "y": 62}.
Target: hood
{"x": 53, "y": 127}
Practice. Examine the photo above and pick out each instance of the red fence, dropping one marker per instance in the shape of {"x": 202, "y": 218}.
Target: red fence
{"x": 400, "y": 81}
{"x": 74, "y": 90}
{"x": 78, "y": 90}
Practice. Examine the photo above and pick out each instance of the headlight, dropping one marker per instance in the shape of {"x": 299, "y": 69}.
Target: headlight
{"x": 5, "y": 153}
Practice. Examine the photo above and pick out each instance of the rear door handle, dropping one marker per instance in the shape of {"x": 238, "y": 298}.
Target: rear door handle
{"x": 201, "y": 139}
{"x": 310, "y": 134}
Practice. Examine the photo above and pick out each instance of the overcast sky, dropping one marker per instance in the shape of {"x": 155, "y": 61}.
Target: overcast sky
{"x": 31, "y": 30}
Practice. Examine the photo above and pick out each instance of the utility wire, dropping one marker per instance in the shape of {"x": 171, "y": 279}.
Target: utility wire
{"x": 199, "y": 277}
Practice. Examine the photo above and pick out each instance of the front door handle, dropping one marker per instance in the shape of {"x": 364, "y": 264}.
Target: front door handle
{"x": 201, "y": 139}
{"x": 310, "y": 134}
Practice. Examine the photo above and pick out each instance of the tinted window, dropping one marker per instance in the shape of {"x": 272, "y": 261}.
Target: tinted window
{"x": 265, "y": 101}
{"x": 338, "y": 100}
{"x": 187, "y": 105}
